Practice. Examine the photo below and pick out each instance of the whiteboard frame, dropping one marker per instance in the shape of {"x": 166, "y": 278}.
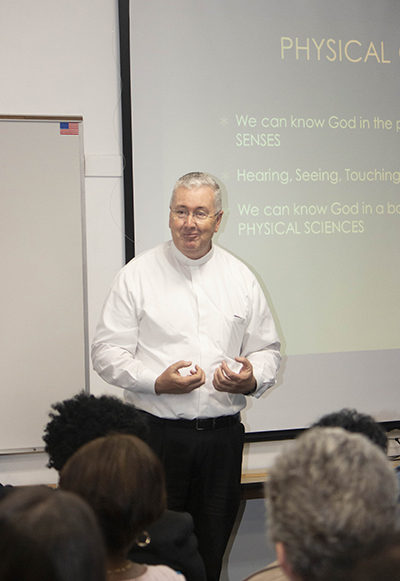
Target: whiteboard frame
{"x": 86, "y": 358}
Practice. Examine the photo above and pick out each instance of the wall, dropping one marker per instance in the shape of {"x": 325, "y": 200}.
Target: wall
{"x": 61, "y": 58}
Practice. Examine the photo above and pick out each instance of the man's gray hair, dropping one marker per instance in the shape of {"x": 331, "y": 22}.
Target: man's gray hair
{"x": 330, "y": 492}
{"x": 197, "y": 179}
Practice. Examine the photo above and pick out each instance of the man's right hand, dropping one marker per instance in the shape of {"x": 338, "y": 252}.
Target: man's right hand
{"x": 171, "y": 381}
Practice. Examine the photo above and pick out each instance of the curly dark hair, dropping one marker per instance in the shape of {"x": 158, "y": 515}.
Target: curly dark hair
{"x": 83, "y": 418}
{"x": 352, "y": 421}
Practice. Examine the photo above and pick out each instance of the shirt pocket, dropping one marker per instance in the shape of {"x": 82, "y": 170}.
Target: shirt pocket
{"x": 234, "y": 328}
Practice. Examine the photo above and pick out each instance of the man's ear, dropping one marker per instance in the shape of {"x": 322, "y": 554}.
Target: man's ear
{"x": 283, "y": 562}
{"x": 218, "y": 222}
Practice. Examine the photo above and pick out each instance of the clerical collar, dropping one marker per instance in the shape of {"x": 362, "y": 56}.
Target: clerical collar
{"x": 189, "y": 261}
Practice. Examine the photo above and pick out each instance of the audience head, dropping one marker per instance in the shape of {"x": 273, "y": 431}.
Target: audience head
{"x": 353, "y": 421}
{"x": 330, "y": 492}
{"x": 123, "y": 481}
{"x": 48, "y": 535}
{"x": 198, "y": 179}
{"x": 83, "y": 418}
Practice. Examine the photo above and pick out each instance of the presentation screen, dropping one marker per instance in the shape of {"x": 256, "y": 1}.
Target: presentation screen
{"x": 294, "y": 108}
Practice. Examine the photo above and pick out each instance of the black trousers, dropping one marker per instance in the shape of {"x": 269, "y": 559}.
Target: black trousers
{"x": 203, "y": 472}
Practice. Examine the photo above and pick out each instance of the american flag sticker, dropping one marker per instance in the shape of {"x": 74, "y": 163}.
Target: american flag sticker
{"x": 69, "y": 128}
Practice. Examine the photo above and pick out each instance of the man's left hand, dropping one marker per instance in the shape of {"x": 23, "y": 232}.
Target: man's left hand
{"x": 226, "y": 380}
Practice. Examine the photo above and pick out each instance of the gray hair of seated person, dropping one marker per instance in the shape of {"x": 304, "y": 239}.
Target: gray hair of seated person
{"x": 49, "y": 535}
{"x": 199, "y": 179}
{"x": 328, "y": 493}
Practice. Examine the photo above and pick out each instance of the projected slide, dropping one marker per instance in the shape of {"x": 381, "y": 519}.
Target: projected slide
{"x": 294, "y": 108}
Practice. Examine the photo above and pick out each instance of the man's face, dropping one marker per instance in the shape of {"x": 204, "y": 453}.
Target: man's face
{"x": 190, "y": 235}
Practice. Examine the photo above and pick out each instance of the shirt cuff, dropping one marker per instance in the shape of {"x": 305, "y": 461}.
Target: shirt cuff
{"x": 146, "y": 382}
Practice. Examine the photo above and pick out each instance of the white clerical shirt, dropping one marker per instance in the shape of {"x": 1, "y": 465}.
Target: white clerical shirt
{"x": 164, "y": 307}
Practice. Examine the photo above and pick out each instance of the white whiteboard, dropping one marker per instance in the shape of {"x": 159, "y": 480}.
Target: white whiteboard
{"x": 43, "y": 345}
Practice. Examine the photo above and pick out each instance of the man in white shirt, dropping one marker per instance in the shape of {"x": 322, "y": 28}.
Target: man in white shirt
{"x": 187, "y": 332}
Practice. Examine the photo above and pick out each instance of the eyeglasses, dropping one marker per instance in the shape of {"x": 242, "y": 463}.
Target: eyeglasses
{"x": 199, "y": 216}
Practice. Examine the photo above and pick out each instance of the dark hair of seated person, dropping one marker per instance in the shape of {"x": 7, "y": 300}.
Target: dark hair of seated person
{"x": 123, "y": 481}
{"x": 357, "y": 423}
{"x": 83, "y": 418}
{"x": 48, "y": 535}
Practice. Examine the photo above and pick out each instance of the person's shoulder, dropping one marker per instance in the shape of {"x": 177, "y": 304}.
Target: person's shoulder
{"x": 181, "y": 520}
{"x": 271, "y": 573}
{"x": 232, "y": 261}
{"x": 176, "y": 524}
{"x": 172, "y": 543}
{"x": 146, "y": 255}
{"x": 223, "y": 254}
{"x": 142, "y": 264}
{"x": 161, "y": 573}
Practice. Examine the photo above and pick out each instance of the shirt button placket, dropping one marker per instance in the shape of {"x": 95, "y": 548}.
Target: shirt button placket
{"x": 202, "y": 309}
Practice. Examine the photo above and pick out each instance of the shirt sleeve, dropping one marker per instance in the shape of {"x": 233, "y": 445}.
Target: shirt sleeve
{"x": 115, "y": 342}
{"x": 261, "y": 344}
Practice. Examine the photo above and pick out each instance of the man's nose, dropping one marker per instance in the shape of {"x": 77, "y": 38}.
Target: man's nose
{"x": 190, "y": 221}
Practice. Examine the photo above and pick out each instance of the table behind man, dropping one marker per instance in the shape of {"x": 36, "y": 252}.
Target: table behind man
{"x": 187, "y": 332}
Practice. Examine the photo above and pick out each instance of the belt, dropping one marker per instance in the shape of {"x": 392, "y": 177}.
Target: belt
{"x": 198, "y": 423}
